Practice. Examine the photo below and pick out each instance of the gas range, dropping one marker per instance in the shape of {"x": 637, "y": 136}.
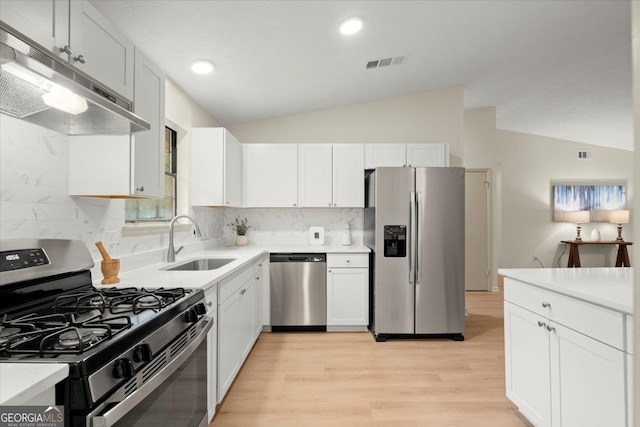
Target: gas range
{"x": 51, "y": 313}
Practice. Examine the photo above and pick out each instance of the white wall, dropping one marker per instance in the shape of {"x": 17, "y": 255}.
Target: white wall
{"x": 526, "y": 165}
{"x": 428, "y": 117}
{"x": 635, "y": 254}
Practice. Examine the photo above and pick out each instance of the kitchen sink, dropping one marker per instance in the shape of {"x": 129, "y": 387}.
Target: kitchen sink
{"x": 201, "y": 264}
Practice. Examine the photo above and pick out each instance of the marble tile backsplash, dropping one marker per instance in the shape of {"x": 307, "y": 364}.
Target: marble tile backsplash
{"x": 291, "y": 226}
{"x": 34, "y": 200}
{"x": 34, "y": 203}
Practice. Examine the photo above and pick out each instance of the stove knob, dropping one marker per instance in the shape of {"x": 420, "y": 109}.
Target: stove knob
{"x": 191, "y": 316}
{"x": 123, "y": 368}
{"x": 142, "y": 353}
{"x": 200, "y": 309}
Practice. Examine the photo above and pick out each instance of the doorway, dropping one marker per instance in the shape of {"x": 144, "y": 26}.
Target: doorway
{"x": 477, "y": 230}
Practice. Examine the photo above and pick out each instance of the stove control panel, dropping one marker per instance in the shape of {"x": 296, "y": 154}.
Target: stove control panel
{"x": 23, "y": 258}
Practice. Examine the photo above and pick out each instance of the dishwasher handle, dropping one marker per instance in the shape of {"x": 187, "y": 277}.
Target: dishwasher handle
{"x": 298, "y": 257}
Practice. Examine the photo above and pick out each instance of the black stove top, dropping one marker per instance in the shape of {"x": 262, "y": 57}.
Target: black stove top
{"x": 77, "y": 322}
{"x": 49, "y": 309}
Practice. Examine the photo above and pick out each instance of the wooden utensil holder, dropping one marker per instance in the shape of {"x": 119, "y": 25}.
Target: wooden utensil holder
{"x": 110, "y": 270}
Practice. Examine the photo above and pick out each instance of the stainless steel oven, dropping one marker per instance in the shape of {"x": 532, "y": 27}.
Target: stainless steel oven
{"x": 171, "y": 390}
{"x": 136, "y": 357}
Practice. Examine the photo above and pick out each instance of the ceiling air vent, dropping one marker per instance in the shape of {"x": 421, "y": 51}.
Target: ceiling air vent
{"x": 584, "y": 154}
{"x": 384, "y": 62}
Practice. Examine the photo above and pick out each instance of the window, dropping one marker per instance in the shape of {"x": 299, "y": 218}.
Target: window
{"x": 157, "y": 210}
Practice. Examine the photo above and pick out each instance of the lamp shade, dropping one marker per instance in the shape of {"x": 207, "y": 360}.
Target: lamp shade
{"x": 619, "y": 216}
{"x": 579, "y": 217}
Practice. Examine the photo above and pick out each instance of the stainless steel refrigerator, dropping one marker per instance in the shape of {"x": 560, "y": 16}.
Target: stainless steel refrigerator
{"x": 414, "y": 224}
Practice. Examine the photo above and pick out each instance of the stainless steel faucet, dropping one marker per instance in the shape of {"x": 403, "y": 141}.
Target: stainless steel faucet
{"x": 172, "y": 252}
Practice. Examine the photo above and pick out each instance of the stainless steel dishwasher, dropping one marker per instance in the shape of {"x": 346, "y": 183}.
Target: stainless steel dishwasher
{"x": 298, "y": 292}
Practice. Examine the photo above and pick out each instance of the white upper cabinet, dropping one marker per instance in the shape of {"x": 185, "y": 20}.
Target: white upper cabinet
{"x": 270, "y": 175}
{"x": 348, "y": 175}
{"x": 385, "y": 155}
{"x": 331, "y": 175}
{"x": 216, "y": 168}
{"x": 398, "y": 155}
{"x": 124, "y": 165}
{"x": 148, "y": 172}
{"x": 78, "y": 33}
{"x": 44, "y": 21}
{"x": 425, "y": 155}
{"x": 315, "y": 175}
{"x": 100, "y": 49}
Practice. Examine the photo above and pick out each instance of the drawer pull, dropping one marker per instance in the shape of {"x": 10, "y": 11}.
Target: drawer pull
{"x": 550, "y": 328}
{"x": 546, "y": 304}
{"x": 541, "y": 323}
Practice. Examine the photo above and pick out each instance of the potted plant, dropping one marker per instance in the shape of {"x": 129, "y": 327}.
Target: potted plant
{"x": 241, "y": 227}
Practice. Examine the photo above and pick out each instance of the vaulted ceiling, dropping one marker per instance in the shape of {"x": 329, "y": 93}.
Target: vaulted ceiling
{"x": 558, "y": 68}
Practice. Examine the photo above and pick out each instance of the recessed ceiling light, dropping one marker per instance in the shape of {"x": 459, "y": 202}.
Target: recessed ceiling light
{"x": 202, "y": 66}
{"x": 351, "y": 26}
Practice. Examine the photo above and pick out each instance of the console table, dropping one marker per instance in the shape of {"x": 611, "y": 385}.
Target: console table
{"x": 622, "y": 260}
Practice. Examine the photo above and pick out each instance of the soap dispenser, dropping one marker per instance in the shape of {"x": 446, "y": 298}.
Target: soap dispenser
{"x": 346, "y": 235}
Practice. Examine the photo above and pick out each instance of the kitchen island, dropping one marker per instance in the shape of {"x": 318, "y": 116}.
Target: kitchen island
{"x": 568, "y": 344}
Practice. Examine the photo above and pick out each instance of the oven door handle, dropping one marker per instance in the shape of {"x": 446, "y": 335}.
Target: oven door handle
{"x": 114, "y": 414}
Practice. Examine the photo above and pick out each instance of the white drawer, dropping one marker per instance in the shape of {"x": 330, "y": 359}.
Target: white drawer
{"x": 231, "y": 284}
{"x": 592, "y": 320}
{"x": 347, "y": 260}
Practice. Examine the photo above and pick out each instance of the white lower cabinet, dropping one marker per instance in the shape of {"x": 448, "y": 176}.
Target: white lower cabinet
{"x": 557, "y": 375}
{"x": 211, "y": 297}
{"x": 347, "y": 290}
{"x": 239, "y": 305}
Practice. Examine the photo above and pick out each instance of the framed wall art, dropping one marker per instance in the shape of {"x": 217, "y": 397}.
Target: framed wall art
{"x": 599, "y": 199}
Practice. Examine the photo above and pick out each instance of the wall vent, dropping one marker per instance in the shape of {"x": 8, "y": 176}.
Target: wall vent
{"x": 584, "y": 154}
{"x": 385, "y": 62}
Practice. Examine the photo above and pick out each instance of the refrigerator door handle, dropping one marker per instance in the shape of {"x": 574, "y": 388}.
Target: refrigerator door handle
{"x": 419, "y": 241}
{"x": 412, "y": 237}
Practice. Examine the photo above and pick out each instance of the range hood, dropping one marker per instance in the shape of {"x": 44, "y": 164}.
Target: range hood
{"x": 40, "y": 88}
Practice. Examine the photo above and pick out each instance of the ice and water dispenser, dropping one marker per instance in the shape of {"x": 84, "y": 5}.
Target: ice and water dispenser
{"x": 395, "y": 241}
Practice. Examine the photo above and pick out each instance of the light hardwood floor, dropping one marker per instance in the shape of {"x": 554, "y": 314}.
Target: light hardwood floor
{"x": 347, "y": 379}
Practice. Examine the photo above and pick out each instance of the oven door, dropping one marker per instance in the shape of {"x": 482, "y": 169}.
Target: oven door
{"x": 175, "y": 395}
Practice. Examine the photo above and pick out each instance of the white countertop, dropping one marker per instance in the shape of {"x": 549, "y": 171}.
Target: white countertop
{"x": 610, "y": 287}
{"x": 21, "y": 382}
{"x": 154, "y": 275}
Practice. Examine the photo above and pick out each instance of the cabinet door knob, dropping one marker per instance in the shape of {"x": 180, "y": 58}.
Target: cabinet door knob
{"x": 141, "y": 188}
{"x": 550, "y": 328}
{"x": 242, "y": 292}
{"x": 541, "y": 323}
{"x": 80, "y": 59}
{"x": 546, "y": 304}
{"x": 67, "y": 50}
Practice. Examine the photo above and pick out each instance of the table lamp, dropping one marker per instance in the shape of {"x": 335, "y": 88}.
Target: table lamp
{"x": 579, "y": 217}
{"x": 619, "y": 217}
